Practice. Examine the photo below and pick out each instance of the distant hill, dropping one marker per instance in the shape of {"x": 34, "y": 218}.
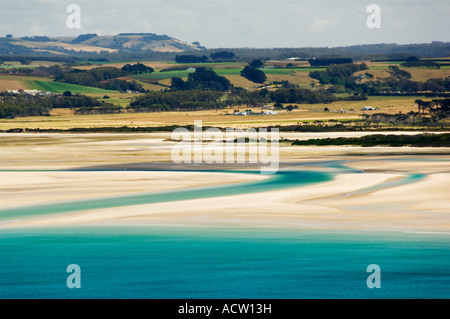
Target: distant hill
{"x": 154, "y": 47}
{"x": 123, "y": 42}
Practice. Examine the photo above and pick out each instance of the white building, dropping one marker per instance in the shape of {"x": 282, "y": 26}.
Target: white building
{"x": 31, "y": 92}
{"x": 269, "y": 112}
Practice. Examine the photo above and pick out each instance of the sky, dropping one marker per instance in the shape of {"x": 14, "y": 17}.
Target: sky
{"x": 237, "y": 23}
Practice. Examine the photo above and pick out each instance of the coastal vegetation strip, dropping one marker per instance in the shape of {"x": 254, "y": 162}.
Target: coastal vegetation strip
{"x": 419, "y": 140}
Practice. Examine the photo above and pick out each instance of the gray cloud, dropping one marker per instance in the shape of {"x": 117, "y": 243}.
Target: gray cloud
{"x": 236, "y": 23}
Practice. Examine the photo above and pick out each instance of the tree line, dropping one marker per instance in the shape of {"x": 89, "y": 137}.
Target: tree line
{"x": 253, "y": 72}
{"x": 338, "y": 74}
{"x": 201, "y": 79}
{"x": 20, "y": 105}
{"x": 330, "y": 61}
{"x": 436, "y": 106}
{"x": 415, "y": 62}
{"x": 177, "y": 101}
{"x": 419, "y": 140}
{"x": 106, "y": 77}
{"x": 217, "y": 56}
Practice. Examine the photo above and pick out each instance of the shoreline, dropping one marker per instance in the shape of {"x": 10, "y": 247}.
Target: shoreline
{"x": 223, "y": 231}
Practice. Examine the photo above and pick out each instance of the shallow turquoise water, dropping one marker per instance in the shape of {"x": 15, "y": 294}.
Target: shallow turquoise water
{"x": 158, "y": 262}
{"x": 221, "y": 263}
{"x": 281, "y": 180}
{"x": 408, "y": 178}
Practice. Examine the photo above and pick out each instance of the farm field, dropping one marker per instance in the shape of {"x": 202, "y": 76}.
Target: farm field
{"x": 296, "y": 73}
{"x": 11, "y": 82}
{"x": 65, "y": 119}
{"x": 58, "y": 87}
{"x": 223, "y": 72}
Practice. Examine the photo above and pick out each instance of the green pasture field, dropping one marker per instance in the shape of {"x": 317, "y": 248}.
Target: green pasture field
{"x": 221, "y": 72}
{"x": 18, "y": 66}
{"x": 59, "y": 87}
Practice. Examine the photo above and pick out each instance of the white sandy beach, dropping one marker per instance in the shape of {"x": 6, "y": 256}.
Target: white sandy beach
{"x": 420, "y": 206}
{"x": 326, "y": 205}
{"x": 18, "y": 189}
